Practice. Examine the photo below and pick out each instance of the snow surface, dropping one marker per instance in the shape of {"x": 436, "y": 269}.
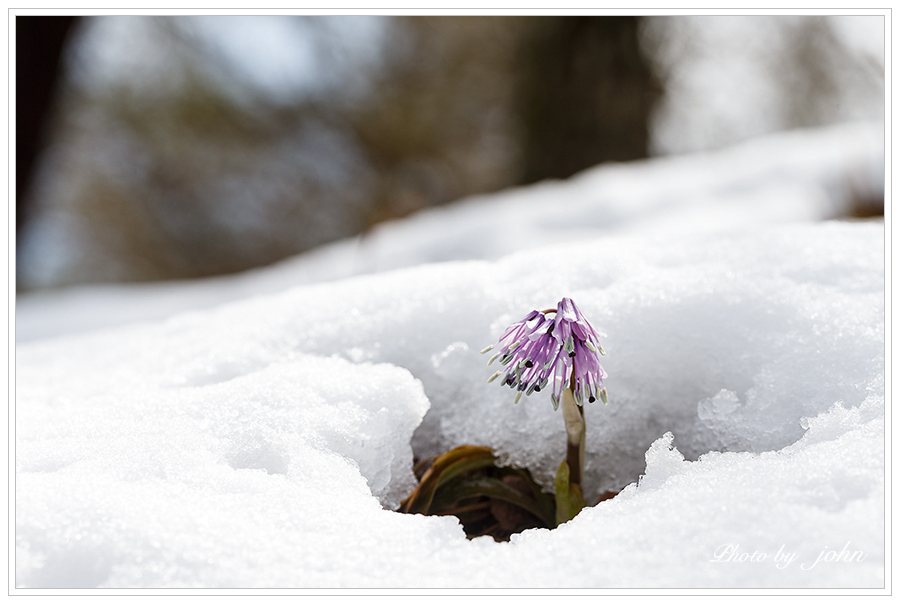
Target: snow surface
{"x": 264, "y": 442}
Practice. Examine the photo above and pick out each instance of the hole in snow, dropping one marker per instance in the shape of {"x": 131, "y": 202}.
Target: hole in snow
{"x": 489, "y": 499}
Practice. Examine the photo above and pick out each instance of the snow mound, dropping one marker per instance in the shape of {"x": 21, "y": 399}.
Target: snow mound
{"x": 264, "y": 442}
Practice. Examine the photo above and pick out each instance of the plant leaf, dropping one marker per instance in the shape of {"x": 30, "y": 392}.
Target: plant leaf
{"x": 446, "y": 467}
{"x": 467, "y": 487}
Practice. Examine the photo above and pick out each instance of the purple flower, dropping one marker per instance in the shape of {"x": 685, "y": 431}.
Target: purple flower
{"x": 563, "y": 352}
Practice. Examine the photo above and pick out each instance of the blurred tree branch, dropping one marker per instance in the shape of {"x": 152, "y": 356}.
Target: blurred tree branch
{"x": 39, "y": 47}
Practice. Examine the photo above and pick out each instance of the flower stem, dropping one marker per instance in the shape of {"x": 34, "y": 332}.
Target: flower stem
{"x": 569, "y": 494}
{"x": 573, "y": 415}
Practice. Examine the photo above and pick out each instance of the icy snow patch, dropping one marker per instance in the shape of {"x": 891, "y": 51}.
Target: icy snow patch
{"x": 115, "y": 459}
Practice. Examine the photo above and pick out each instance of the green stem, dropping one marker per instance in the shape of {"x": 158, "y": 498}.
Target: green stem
{"x": 569, "y": 494}
{"x": 573, "y": 415}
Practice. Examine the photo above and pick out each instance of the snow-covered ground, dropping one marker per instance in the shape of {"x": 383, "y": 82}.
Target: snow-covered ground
{"x": 258, "y": 430}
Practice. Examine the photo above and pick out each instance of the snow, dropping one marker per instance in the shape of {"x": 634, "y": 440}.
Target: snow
{"x": 264, "y": 441}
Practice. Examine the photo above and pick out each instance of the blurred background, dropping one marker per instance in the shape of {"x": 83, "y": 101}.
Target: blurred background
{"x": 157, "y": 148}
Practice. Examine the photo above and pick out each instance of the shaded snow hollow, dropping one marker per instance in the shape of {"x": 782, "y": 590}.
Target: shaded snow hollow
{"x": 262, "y": 443}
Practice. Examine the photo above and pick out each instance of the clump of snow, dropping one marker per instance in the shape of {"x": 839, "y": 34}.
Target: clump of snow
{"x": 242, "y": 415}
{"x": 123, "y": 464}
{"x": 264, "y": 442}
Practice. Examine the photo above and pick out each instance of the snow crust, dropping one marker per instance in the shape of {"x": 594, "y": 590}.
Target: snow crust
{"x": 265, "y": 442}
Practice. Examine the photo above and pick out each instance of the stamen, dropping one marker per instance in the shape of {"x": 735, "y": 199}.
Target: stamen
{"x": 493, "y": 358}
{"x": 488, "y": 348}
{"x": 518, "y": 396}
{"x": 494, "y": 377}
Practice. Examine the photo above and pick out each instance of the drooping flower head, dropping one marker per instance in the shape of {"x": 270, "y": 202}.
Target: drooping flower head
{"x": 562, "y": 352}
